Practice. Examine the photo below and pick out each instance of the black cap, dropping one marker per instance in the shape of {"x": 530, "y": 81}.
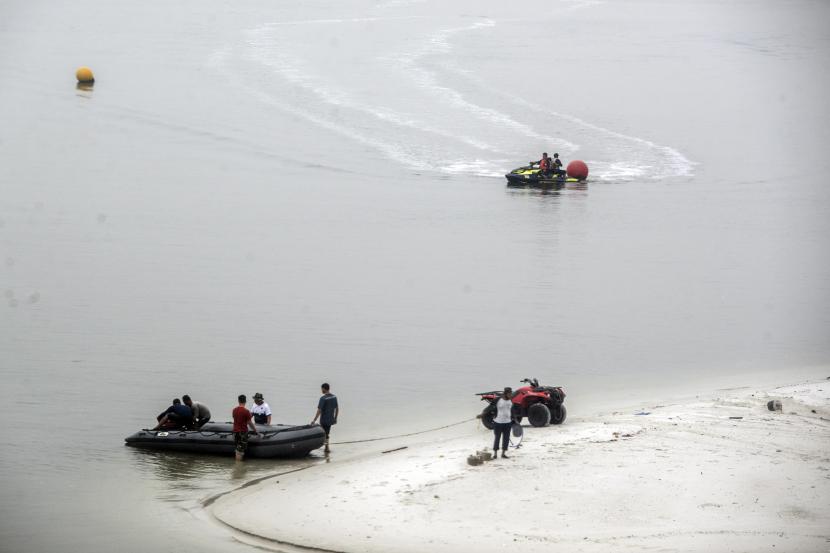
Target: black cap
{"x": 258, "y": 396}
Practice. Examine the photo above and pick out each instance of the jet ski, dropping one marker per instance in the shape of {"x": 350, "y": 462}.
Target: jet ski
{"x": 530, "y": 175}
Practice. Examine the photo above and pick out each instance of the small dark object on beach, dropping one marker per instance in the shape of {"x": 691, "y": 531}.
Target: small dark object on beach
{"x": 774, "y": 405}
{"x": 518, "y": 431}
{"x": 396, "y": 449}
{"x": 736, "y": 418}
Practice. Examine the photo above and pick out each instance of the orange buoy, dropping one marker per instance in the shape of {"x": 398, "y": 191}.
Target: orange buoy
{"x": 578, "y": 169}
{"x": 84, "y": 75}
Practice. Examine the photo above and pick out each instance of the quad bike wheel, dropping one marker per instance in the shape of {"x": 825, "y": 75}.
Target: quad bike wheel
{"x": 487, "y": 417}
{"x": 558, "y": 414}
{"x": 538, "y": 415}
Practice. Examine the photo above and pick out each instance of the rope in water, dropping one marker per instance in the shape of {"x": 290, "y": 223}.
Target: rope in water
{"x": 405, "y": 435}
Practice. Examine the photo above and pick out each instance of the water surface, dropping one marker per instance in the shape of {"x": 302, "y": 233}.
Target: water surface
{"x": 261, "y": 197}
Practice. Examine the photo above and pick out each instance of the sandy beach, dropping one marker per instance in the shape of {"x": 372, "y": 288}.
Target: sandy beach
{"x": 719, "y": 473}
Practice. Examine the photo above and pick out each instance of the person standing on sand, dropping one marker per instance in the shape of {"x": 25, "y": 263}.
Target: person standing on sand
{"x": 503, "y": 423}
{"x": 327, "y": 411}
{"x": 241, "y": 422}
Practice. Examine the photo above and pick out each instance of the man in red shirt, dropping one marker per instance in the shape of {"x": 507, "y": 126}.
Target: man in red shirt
{"x": 241, "y": 422}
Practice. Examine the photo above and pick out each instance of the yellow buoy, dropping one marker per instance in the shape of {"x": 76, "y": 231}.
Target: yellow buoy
{"x": 84, "y": 75}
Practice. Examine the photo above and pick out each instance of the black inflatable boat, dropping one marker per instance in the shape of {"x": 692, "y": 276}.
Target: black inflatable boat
{"x": 278, "y": 440}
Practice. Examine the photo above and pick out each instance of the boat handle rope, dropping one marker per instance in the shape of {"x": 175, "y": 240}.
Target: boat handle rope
{"x": 264, "y": 435}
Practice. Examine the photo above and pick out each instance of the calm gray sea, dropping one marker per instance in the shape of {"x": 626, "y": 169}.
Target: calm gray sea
{"x": 260, "y": 196}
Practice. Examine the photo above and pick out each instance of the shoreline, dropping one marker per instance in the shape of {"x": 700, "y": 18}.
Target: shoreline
{"x": 705, "y": 474}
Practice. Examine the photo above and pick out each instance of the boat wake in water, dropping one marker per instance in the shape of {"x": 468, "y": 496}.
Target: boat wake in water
{"x": 417, "y": 101}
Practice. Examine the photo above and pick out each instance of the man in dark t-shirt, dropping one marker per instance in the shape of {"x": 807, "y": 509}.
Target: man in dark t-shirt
{"x": 241, "y": 422}
{"x": 176, "y": 416}
{"x": 327, "y": 411}
{"x": 557, "y": 166}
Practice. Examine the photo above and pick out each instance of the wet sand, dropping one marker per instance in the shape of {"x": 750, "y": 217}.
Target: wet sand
{"x": 718, "y": 473}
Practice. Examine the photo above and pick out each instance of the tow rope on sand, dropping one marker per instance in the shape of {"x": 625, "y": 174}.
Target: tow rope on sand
{"x": 405, "y": 435}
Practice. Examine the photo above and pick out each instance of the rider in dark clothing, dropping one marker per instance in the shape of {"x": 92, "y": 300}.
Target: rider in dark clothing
{"x": 557, "y": 166}
{"x": 175, "y": 416}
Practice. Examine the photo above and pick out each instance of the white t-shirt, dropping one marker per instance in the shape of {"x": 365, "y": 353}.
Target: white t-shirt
{"x": 503, "y": 411}
{"x": 261, "y": 410}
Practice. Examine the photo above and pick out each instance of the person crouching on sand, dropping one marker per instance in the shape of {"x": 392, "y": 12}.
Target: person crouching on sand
{"x": 503, "y": 423}
{"x": 241, "y": 422}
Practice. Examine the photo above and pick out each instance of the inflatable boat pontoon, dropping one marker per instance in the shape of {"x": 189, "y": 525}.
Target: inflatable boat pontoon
{"x": 278, "y": 440}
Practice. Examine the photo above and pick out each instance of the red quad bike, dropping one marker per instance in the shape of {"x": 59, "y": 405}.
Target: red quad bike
{"x": 542, "y": 405}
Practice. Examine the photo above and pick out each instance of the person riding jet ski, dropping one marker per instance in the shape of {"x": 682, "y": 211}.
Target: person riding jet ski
{"x": 557, "y": 166}
{"x": 545, "y": 164}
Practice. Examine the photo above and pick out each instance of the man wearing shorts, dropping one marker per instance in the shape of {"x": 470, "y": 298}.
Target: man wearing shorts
{"x": 327, "y": 411}
{"x": 241, "y": 422}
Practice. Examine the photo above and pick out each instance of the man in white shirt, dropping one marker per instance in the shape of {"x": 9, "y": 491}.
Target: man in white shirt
{"x": 503, "y": 423}
{"x": 261, "y": 411}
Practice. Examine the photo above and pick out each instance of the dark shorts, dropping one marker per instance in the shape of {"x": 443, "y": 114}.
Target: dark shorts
{"x": 240, "y": 439}
{"x": 202, "y": 421}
